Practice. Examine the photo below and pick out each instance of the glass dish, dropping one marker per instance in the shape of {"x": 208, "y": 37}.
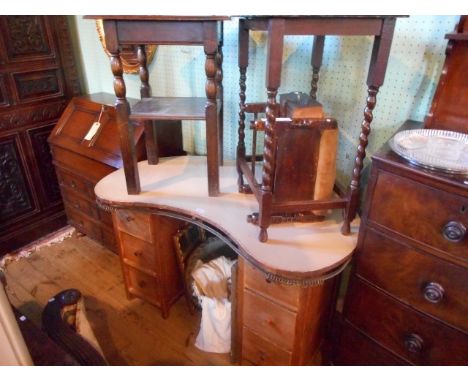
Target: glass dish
{"x": 440, "y": 150}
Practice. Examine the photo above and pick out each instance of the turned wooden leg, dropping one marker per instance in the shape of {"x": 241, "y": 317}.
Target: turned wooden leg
{"x": 243, "y": 63}
{"x": 353, "y": 203}
{"x": 316, "y": 62}
{"x": 273, "y": 82}
{"x": 375, "y": 79}
{"x": 145, "y": 92}
{"x": 220, "y": 94}
{"x": 211, "y": 109}
{"x": 126, "y": 130}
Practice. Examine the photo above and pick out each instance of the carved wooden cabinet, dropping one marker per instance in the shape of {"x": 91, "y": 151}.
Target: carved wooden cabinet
{"x": 37, "y": 78}
{"x": 148, "y": 258}
{"x": 407, "y": 300}
{"x": 278, "y": 324}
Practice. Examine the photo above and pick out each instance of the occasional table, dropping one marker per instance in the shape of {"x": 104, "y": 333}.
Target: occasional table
{"x": 381, "y": 27}
{"x": 283, "y": 289}
{"x": 167, "y": 30}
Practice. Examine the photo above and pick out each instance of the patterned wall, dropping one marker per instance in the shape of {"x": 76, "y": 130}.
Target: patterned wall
{"x": 416, "y": 60}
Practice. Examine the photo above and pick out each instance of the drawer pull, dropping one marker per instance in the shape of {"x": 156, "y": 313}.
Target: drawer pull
{"x": 141, "y": 284}
{"x": 73, "y": 184}
{"x": 433, "y": 292}
{"x": 129, "y": 218}
{"x": 414, "y": 343}
{"x": 138, "y": 253}
{"x": 77, "y": 206}
{"x": 454, "y": 231}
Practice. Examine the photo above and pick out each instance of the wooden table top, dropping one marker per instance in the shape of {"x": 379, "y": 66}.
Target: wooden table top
{"x": 158, "y": 17}
{"x": 295, "y": 251}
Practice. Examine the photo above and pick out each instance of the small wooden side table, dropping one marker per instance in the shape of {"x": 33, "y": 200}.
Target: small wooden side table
{"x": 381, "y": 27}
{"x": 167, "y": 30}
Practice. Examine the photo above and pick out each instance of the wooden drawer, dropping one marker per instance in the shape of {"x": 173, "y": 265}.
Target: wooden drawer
{"x": 80, "y": 204}
{"x": 426, "y": 282}
{"x": 419, "y": 212}
{"x": 413, "y": 336}
{"x": 138, "y": 253}
{"x": 356, "y": 349}
{"x": 283, "y": 294}
{"x": 75, "y": 183}
{"x": 83, "y": 223}
{"x": 259, "y": 351}
{"x": 135, "y": 223}
{"x": 271, "y": 321}
{"x": 142, "y": 285}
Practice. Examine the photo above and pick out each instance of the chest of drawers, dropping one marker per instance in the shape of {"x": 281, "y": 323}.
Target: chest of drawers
{"x": 148, "y": 257}
{"x": 278, "y": 324}
{"x": 407, "y": 300}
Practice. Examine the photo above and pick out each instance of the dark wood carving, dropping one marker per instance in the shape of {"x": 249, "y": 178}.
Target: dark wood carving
{"x": 38, "y": 78}
{"x": 14, "y": 194}
{"x": 25, "y": 36}
{"x": 44, "y": 158}
{"x": 40, "y": 84}
{"x": 3, "y": 92}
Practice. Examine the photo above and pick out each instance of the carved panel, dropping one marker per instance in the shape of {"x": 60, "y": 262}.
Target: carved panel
{"x": 39, "y": 85}
{"x": 14, "y": 196}
{"x": 44, "y": 162}
{"x": 30, "y": 115}
{"x": 25, "y": 37}
{"x": 68, "y": 58}
{"x": 3, "y": 93}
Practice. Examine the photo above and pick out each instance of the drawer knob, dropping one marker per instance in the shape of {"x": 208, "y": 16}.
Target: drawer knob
{"x": 77, "y": 206}
{"x": 129, "y": 218}
{"x": 414, "y": 343}
{"x": 138, "y": 253}
{"x": 454, "y": 231}
{"x": 141, "y": 284}
{"x": 73, "y": 184}
{"x": 433, "y": 292}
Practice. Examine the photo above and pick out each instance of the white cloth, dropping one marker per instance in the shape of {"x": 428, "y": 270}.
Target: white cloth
{"x": 215, "y": 327}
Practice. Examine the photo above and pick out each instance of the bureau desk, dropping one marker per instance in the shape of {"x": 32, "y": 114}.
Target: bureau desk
{"x": 283, "y": 289}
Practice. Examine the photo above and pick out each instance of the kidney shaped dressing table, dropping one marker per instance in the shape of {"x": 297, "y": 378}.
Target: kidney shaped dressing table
{"x": 283, "y": 289}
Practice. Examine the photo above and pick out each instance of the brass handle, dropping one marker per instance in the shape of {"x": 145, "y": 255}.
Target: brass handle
{"x": 433, "y": 292}
{"x": 454, "y": 231}
{"x": 414, "y": 343}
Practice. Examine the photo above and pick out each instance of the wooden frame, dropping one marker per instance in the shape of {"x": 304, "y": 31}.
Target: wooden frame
{"x": 381, "y": 27}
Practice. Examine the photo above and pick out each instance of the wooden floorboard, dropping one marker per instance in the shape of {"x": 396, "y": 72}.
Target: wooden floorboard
{"x": 130, "y": 332}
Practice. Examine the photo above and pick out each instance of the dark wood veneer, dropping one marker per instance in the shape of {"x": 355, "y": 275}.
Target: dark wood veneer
{"x": 37, "y": 78}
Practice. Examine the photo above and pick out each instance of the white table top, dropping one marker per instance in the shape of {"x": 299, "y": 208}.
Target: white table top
{"x": 179, "y": 185}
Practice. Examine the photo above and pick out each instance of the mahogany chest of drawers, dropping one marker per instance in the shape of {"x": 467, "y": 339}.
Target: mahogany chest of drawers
{"x": 407, "y": 301}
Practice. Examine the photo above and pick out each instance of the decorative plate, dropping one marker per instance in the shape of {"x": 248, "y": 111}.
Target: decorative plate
{"x": 441, "y": 150}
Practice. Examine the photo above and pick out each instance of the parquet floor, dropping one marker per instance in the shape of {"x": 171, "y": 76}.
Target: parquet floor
{"x": 131, "y": 332}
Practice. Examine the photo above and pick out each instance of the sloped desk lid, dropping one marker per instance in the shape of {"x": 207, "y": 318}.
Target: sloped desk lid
{"x": 295, "y": 251}
{"x": 76, "y": 121}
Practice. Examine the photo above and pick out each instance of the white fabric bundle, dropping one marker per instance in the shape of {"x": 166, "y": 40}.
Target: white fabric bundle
{"x": 210, "y": 283}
